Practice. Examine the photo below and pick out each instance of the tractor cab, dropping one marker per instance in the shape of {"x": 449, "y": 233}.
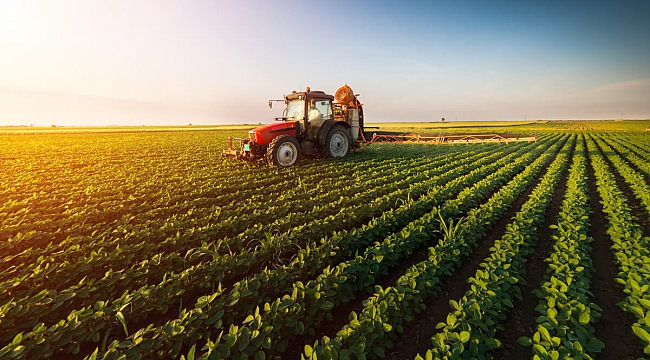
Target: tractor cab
{"x": 310, "y": 109}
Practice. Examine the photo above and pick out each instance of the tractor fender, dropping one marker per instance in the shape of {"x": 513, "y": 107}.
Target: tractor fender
{"x": 325, "y": 129}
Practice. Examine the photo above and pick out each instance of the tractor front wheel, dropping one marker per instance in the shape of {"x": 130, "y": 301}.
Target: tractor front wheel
{"x": 338, "y": 142}
{"x": 284, "y": 150}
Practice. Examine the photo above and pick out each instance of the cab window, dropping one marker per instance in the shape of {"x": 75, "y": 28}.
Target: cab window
{"x": 325, "y": 108}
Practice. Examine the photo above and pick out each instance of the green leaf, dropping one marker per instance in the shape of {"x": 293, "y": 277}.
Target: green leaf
{"x": 17, "y": 339}
{"x": 641, "y": 333}
{"x": 309, "y": 350}
{"x": 190, "y": 355}
{"x": 120, "y": 318}
{"x": 285, "y": 303}
{"x": 525, "y": 341}
{"x": 556, "y": 341}
{"x": 17, "y": 352}
{"x": 508, "y": 303}
{"x": 379, "y": 352}
{"x": 645, "y": 303}
{"x": 492, "y": 343}
{"x": 594, "y": 345}
{"x": 94, "y": 355}
{"x": 577, "y": 346}
{"x": 584, "y": 318}
{"x": 464, "y": 336}
{"x": 451, "y": 319}
{"x": 539, "y": 350}
{"x": 544, "y": 332}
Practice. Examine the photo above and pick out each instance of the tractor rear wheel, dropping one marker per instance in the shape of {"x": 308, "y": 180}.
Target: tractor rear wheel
{"x": 338, "y": 142}
{"x": 284, "y": 150}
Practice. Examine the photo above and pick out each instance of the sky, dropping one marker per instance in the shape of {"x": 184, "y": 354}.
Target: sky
{"x": 93, "y": 63}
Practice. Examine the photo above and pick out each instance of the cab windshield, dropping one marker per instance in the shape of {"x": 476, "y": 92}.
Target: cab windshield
{"x": 296, "y": 109}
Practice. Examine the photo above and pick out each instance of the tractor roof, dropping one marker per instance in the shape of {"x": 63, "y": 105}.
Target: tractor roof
{"x": 309, "y": 95}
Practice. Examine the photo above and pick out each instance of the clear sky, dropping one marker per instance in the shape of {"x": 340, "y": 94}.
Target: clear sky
{"x": 215, "y": 61}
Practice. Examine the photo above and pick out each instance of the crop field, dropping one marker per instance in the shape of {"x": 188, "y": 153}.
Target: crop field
{"x": 137, "y": 243}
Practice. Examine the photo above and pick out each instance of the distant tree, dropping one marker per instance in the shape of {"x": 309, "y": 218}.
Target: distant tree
{"x": 443, "y": 119}
{"x": 190, "y": 124}
{"x": 53, "y": 125}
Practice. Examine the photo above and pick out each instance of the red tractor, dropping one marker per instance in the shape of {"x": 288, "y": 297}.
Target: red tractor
{"x": 312, "y": 123}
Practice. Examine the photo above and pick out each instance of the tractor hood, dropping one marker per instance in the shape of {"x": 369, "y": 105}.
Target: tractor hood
{"x": 264, "y": 134}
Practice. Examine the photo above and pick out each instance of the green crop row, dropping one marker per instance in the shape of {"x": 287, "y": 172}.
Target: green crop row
{"x": 630, "y": 247}
{"x": 386, "y": 312}
{"x": 565, "y": 326}
{"x": 470, "y": 329}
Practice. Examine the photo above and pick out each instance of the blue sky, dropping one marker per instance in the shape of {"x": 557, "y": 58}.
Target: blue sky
{"x": 209, "y": 62}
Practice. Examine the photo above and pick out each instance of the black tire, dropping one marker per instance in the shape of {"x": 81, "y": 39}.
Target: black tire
{"x": 338, "y": 142}
{"x": 284, "y": 150}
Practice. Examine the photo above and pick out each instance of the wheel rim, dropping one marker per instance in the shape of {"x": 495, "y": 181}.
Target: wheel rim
{"x": 287, "y": 154}
{"x": 339, "y": 144}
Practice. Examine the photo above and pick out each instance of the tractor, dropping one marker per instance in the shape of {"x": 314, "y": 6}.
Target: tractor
{"x": 313, "y": 123}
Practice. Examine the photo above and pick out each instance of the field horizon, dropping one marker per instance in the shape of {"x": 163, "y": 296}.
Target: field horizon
{"x": 447, "y": 124}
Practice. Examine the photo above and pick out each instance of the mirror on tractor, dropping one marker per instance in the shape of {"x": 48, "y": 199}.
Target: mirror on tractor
{"x": 271, "y": 102}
